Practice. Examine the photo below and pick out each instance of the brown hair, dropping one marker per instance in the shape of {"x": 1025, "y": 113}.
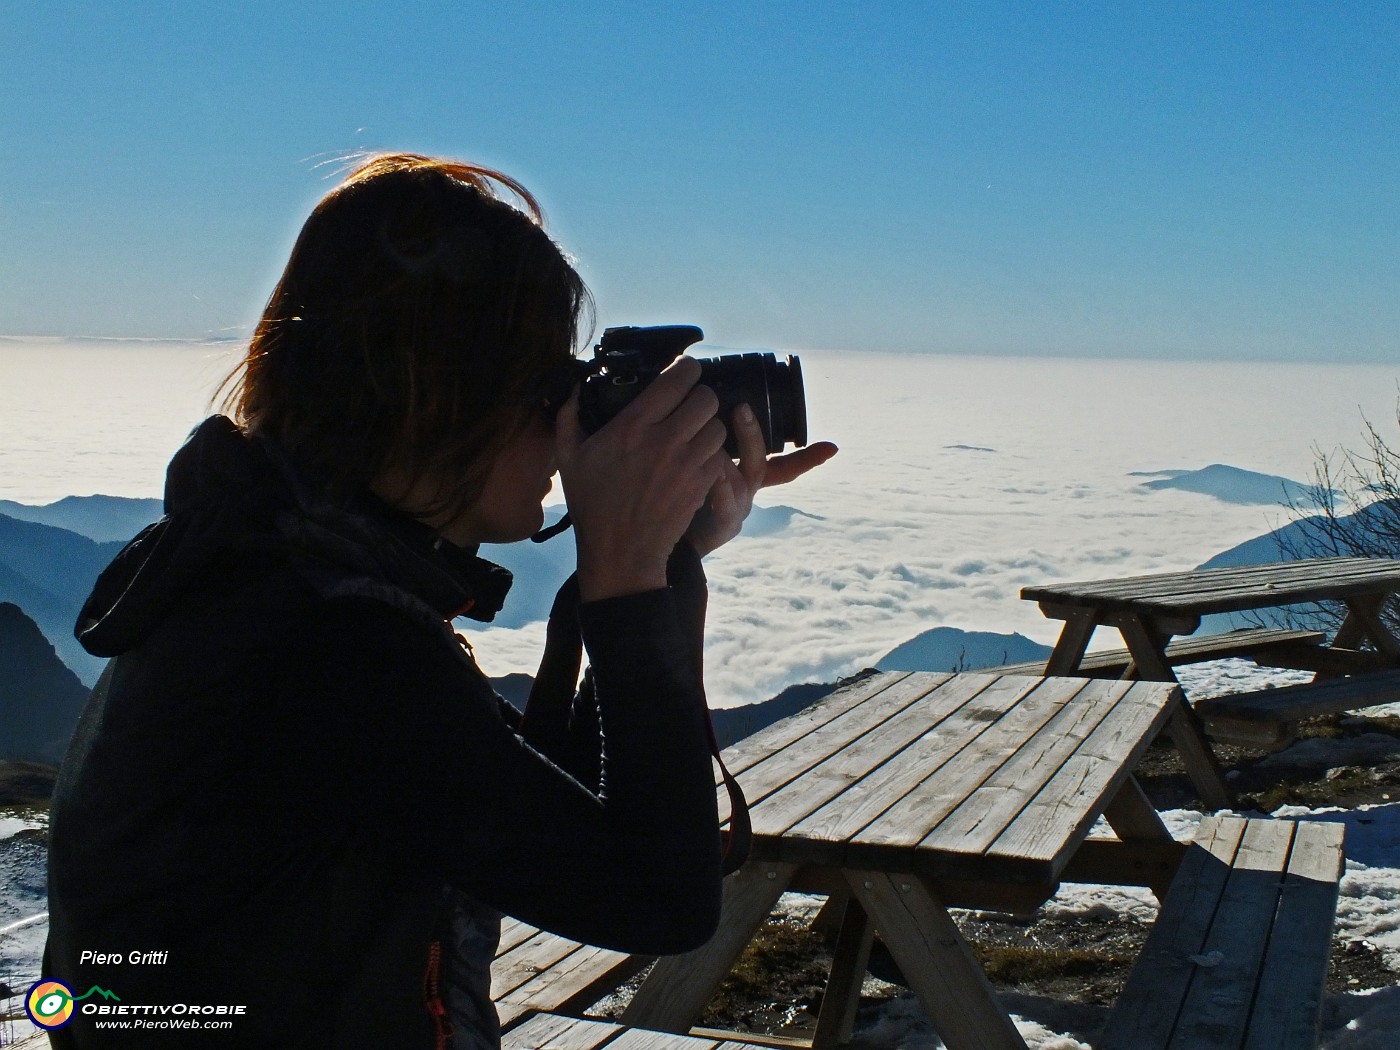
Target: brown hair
{"x": 415, "y": 320}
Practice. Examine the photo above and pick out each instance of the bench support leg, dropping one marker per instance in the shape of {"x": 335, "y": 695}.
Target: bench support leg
{"x": 930, "y": 951}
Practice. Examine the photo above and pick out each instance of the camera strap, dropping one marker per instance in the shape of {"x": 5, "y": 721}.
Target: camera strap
{"x": 558, "y": 676}
{"x": 550, "y": 531}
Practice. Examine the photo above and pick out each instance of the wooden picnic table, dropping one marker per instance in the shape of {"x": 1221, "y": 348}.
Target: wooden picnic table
{"x": 902, "y": 795}
{"x": 1149, "y": 611}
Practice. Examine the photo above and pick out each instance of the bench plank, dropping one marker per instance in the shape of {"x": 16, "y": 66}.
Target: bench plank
{"x": 552, "y": 1032}
{"x": 1216, "y": 1010}
{"x": 538, "y": 953}
{"x": 1289, "y": 1002}
{"x": 575, "y": 981}
{"x": 1307, "y": 700}
{"x": 1238, "y": 954}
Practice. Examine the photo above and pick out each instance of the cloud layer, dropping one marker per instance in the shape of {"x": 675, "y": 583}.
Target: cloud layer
{"x": 915, "y": 525}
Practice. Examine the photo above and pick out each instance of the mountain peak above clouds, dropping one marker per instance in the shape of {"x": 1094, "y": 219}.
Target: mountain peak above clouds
{"x": 953, "y": 649}
{"x": 1232, "y": 485}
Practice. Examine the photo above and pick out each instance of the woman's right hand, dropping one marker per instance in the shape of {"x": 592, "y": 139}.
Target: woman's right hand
{"x": 634, "y": 486}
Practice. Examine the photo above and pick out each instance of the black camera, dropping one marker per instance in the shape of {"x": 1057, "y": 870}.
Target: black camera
{"x": 625, "y": 360}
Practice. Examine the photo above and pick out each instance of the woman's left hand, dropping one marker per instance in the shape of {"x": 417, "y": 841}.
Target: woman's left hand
{"x": 731, "y": 497}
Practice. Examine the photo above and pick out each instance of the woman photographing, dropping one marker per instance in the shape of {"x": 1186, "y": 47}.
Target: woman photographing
{"x": 294, "y": 785}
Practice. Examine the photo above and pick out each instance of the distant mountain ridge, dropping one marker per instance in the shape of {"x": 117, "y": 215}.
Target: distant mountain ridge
{"x": 1233, "y": 485}
{"x": 101, "y": 518}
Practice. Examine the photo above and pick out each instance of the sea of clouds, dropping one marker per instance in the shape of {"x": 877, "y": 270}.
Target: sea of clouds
{"x": 959, "y": 481}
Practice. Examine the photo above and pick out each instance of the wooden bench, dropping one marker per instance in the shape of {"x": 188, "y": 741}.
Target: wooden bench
{"x": 1237, "y": 957}
{"x": 538, "y": 972}
{"x": 553, "y": 1032}
{"x": 1268, "y": 717}
{"x": 1260, "y": 644}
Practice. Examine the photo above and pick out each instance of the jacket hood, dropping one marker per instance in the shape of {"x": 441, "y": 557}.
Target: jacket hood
{"x": 228, "y": 494}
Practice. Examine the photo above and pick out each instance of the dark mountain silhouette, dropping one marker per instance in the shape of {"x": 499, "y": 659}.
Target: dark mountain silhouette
{"x": 27, "y": 784}
{"x": 1297, "y": 539}
{"x": 101, "y": 518}
{"x": 40, "y": 698}
{"x": 49, "y": 573}
{"x": 1302, "y": 538}
{"x": 734, "y": 723}
{"x": 731, "y": 723}
{"x": 951, "y": 649}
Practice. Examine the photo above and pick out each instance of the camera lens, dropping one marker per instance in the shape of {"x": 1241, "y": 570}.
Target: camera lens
{"x": 772, "y": 388}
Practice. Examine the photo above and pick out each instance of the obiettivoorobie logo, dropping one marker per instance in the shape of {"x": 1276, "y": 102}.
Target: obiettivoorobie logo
{"x": 50, "y": 1003}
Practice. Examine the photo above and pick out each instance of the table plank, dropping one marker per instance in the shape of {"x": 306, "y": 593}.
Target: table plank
{"x": 1229, "y": 590}
{"x": 755, "y": 748}
{"x": 986, "y": 814}
{"x": 823, "y": 835}
{"x": 785, "y": 754}
{"x": 850, "y": 769}
{"x": 1043, "y": 836}
{"x": 1259, "y": 576}
{"x": 905, "y": 824}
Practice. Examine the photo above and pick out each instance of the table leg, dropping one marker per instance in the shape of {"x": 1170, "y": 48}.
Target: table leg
{"x": 930, "y": 951}
{"x": 1364, "y": 619}
{"x": 836, "y": 1020}
{"x": 1148, "y": 648}
{"x": 678, "y": 987}
{"x": 1133, "y": 819}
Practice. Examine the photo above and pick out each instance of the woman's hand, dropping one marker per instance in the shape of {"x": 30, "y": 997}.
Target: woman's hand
{"x": 635, "y": 486}
{"x": 731, "y": 498}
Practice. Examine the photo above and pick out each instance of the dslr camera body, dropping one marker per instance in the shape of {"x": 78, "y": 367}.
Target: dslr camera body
{"x": 626, "y": 359}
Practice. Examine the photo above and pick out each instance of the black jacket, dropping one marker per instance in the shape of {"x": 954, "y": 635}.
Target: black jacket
{"x": 297, "y": 780}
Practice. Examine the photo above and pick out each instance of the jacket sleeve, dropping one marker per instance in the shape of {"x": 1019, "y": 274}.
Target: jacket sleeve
{"x": 563, "y": 722}
{"x": 631, "y": 862}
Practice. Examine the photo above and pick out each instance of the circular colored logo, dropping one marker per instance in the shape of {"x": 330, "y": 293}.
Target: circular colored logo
{"x": 50, "y": 1004}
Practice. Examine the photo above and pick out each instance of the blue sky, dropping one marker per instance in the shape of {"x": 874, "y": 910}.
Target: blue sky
{"x": 1216, "y": 180}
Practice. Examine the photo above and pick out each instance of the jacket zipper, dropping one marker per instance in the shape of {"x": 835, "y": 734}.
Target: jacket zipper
{"x": 432, "y": 987}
